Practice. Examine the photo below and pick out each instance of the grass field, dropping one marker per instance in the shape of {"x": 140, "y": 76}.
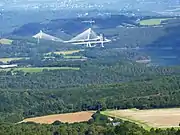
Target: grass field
{"x": 157, "y": 118}
{"x": 150, "y": 22}
{"x": 175, "y": 9}
{"x": 6, "y": 60}
{"x": 67, "y": 52}
{"x": 6, "y": 41}
{"x": 73, "y": 57}
{"x": 40, "y": 69}
{"x": 68, "y": 117}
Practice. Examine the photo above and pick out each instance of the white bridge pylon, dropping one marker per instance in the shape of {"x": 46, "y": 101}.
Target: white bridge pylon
{"x": 42, "y": 35}
{"x": 88, "y": 38}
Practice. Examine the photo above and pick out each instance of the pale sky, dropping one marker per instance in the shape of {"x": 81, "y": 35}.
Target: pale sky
{"x": 118, "y": 4}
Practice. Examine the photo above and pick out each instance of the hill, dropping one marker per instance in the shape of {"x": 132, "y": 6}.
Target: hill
{"x": 74, "y": 26}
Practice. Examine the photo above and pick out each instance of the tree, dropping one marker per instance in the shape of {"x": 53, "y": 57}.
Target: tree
{"x": 57, "y": 122}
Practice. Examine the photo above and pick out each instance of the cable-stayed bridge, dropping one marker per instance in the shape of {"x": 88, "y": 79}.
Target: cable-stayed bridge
{"x": 88, "y": 38}
{"x": 42, "y": 35}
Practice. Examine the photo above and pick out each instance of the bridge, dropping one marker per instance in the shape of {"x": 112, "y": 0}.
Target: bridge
{"x": 89, "y": 38}
{"x": 42, "y": 35}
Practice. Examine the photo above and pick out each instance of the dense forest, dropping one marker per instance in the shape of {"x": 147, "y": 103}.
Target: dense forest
{"x": 160, "y": 92}
{"x": 89, "y": 73}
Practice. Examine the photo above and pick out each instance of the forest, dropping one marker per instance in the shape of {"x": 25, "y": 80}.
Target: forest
{"x": 160, "y": 92}
{"x": 89, "y": 73}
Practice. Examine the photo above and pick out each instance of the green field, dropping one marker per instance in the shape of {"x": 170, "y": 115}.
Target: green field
{"x": 69, "y": 52}
{"x": 176, "y": 9}
{"x": 40, "y": 69}
{"x": 72, "y": 57}
{"x": 6, "y": 60}
{"x": 153, "y": 118}
{"x": 66, "y": 54}
{"x": 6, "y": 41}
{"x": 150, "y": 22}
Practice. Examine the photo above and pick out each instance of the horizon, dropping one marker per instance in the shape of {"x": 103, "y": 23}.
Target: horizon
{"x": 90, "y": 4}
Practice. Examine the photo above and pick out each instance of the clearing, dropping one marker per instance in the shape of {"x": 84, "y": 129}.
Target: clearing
{"x": 69, "y": 52}
{"x": 6, "y": 60}
{"x": 6, "y": 41}
{"x": 73, "y": 57}
{"x": 39, "y": 69}
{"x": 150, "y": 22}
{"x": 68, "y": 117}
{"x": 158, "y": 118}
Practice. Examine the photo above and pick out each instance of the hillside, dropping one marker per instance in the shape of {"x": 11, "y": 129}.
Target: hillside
{"x": 74, "y": 26}
{"x": 160, "y": 92}
{"x": 159, "y": 42}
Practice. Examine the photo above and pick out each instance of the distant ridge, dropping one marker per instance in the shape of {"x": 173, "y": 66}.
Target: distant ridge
{"x": 66, "y": 28}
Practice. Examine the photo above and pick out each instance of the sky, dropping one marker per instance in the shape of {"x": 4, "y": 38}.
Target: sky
{"x": 70, "y": 4}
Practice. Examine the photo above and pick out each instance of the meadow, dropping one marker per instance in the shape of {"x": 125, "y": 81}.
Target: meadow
{"x": 151, "y": 22}
{"x": 156, "y": 118}
{"x": 39, "y": 69}
{"x": 68, "y": 52}
{"x": 73, "y": 57}
{"x": 6, "y": 60}
{"x": 6, "y": 41}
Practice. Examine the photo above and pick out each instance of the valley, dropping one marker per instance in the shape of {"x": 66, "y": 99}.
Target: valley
{"x": 73, "y": 72}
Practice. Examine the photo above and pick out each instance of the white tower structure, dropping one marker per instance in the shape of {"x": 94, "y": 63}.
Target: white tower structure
{"x": 102, "y": 40}
{"x": 88, "y": 38}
